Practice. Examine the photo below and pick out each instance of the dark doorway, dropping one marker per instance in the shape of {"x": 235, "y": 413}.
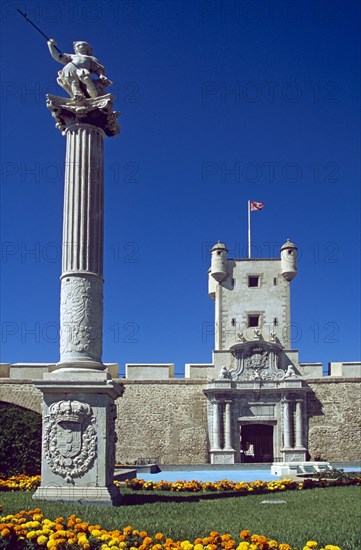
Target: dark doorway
{"x": 257, "y": 443}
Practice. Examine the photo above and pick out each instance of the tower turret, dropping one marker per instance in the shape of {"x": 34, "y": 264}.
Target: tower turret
{"x": 288, "y": 260}
{"x": 219, "y": 262}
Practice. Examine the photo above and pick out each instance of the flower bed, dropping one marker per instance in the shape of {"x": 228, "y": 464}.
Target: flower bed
{"x": 29, "y": 483}
{"x": 31, "y": 530}
{"x": 242, "y": 488}
{"x": 20, "y": 482}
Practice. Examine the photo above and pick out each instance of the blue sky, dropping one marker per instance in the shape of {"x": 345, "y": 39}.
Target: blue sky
{"x": 220, "y": 102}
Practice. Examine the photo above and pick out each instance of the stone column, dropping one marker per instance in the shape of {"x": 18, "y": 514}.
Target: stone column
{"x": 228, "y": 426}
{"x": 78, "y": 443}
{"x": 216, "y": 435}
{"x": 299, "y": 427}
{"x": 286, "y": 424}
{"x": 81, "y": 305}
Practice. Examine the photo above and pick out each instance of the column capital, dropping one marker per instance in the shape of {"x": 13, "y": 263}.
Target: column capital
{"x": 285, "y": 400}
{"x": 96, "y": 112}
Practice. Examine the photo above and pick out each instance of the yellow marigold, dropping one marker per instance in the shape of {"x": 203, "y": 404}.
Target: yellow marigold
{"x": 285, "y": 547}
{"x": 311, "y": 544}
{"x": 198, "y": 546}
{"x": 113, "y": 542}
{"x": 243, "y": 546}
{"x": 95, "y": 532}
{"x": 42, "y": 540}
{"x": 5, "y": 532}
{"x": 273, "y": 544}
{"x": 332, "y": 547}
{"x": 31, "y": 535}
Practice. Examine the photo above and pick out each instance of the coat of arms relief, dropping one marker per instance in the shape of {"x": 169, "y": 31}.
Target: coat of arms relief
{"x": 70, "y": 439}
{"x": 257, "y": 363}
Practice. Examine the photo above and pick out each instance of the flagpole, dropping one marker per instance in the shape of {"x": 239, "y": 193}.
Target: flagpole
{"x": 249, "y": 229}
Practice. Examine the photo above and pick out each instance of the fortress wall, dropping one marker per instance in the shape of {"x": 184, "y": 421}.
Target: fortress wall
{"x": 162, "y": 421}
{"x": 21, "y": 393}
{"x": 334, "y": 407}
{"x": 167, "y": 420}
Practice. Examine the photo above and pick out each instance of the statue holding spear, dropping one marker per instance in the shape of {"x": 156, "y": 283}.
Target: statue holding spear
{"x": 77, "y": 76}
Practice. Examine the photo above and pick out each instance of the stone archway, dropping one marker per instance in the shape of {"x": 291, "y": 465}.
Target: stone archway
{"x": 256, "y": 442}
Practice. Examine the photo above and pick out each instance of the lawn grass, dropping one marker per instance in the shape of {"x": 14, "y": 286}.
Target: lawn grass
{"x": 328, "y": 515}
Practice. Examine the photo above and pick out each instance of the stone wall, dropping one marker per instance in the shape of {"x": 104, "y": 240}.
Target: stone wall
{"x": 162, "y": 421}
{"x": 166, "y": 421}
{"x": 334, "y": 407}
{"x": 21, "y": 393}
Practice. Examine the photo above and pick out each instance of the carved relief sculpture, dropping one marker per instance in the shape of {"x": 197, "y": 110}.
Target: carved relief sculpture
{"x": 70, "y": 439}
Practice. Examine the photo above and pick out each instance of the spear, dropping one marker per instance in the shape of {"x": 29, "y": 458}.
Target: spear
{"x": 37, "y": 28}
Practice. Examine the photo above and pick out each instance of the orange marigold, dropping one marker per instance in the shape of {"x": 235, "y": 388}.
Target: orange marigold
{"x": 159, "y": 536}
{"x": 245, "y": 534}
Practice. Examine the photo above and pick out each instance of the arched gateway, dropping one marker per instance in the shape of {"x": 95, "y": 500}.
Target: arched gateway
{"x": 257, "y": 406}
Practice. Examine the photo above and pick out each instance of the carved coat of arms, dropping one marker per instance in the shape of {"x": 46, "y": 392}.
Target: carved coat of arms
{"x": 70, "y": 438}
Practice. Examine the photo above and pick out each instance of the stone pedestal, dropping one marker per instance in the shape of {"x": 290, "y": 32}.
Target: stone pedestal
{"x": 78, "y": 451}
{"x": 222, "y": 456}
{"x": 293, "y": 455}
{"x": 78, "y": 438}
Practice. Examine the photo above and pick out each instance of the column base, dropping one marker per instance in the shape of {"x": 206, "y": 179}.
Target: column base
{"x": 79, "y": 366}
{"x": 222, "y": 456}
{"x": 297, "y": 454}
{"x": 106, "y": 496}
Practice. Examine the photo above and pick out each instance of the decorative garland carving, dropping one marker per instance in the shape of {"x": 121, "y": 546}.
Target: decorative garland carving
{"x": 81, "y": 328}
{"x": 70, "y": 439}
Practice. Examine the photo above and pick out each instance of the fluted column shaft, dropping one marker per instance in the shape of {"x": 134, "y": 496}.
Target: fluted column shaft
{"x": 286, "y": 424}
{"x": 228, "y": 425}
{"x": 83, "y": 229}
{"x": 216, "y": 426}
{"x": 81, "y": 309}
{"x": 299, "y": 427}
